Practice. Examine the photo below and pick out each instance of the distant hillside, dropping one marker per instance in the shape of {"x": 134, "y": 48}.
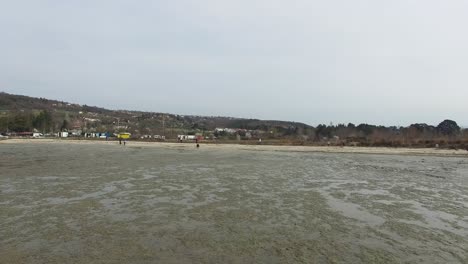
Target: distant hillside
{"x": 13, "y": 102}
{"x": 69, "y": 116}
{"x": 20, "y": 113}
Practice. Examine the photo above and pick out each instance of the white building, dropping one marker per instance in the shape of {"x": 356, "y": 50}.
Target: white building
{"x": 186, "y": 137}
{"x": 38, "y": 135}
{"x": 62, "y": 134}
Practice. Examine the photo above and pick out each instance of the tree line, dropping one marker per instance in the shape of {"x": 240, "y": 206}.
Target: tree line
{"x": 27, "y": 121}
{"x": 419, "y": 134}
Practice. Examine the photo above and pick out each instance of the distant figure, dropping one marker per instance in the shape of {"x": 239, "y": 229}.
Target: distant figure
{"x": 120, "y": 141}
{"x": 198, "y": 145}
{"x": 125, "y": 142}
{"x": 259, "y": 141}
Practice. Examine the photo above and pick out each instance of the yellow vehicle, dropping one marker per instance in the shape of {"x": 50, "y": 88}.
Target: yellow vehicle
{"x": 124, "y": 135}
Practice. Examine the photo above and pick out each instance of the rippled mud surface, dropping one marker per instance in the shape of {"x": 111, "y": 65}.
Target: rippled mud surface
{"x": 63, "y": 203}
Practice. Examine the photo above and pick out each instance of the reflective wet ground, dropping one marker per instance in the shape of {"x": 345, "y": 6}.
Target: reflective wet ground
{"x": 82, "y": 203}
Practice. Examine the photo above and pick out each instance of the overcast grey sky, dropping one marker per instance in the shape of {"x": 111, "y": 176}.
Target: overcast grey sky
{"x": 377, "y": 61}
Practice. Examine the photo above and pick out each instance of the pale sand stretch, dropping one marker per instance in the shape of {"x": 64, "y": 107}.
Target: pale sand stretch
{"x": 331, "y": 149}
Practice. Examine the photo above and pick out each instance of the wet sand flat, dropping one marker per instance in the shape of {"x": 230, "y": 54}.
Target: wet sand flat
{"x": 87, "y": 202}
{"x": 284, "y": 148}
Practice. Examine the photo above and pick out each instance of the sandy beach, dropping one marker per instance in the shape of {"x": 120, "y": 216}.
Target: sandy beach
{"x": 325, "y": 149}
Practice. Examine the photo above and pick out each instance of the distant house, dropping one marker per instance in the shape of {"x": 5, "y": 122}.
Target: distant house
{"x": 76, "y": 132}
{"x": 37, "y": 135}
{"x": 159, "y": 137}
{"x": 230, "y": 130}
{"x": 97, "y": 135}
{"x": 63, "y": 134}
{"x": 186, "y": 137}
{"x": 226, "y": 130}
{"x": 92, "y": 120}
